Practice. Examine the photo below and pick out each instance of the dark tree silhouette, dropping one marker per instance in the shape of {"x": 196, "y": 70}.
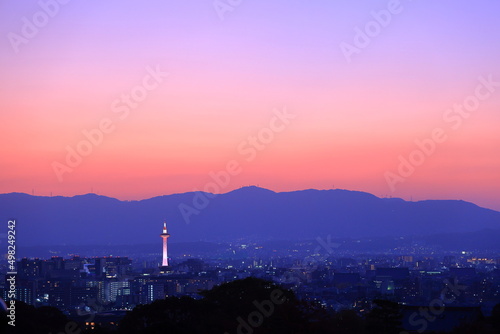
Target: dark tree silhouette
{"x": 488, "y": 325}
{"x": 42, "y": 320}
{"x": 347, "y": 322}
{"x": 177, "y": 315}
{"x": 495, "y": 317}
{"x": 249, "y": 306}
{"x": 384, "y": 318}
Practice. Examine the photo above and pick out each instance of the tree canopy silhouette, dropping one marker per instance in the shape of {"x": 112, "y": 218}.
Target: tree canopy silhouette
{"x": 385, "y": 318}
{"x": 41, "y": 320}
{"x": 246, "y": 306}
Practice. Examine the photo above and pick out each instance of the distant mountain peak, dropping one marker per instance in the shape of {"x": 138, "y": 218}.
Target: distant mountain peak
{"x": 94, "y": 196}
{"x": 253, "y": 189}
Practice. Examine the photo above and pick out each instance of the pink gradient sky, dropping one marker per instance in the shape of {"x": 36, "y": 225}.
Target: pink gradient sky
{"x": 352, "y": 120}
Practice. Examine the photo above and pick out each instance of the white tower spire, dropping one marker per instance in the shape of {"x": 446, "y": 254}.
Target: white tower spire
{"x": 165, "y": 236}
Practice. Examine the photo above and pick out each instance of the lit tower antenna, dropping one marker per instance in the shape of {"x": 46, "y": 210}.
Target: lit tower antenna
{"x": 165, "y": 236}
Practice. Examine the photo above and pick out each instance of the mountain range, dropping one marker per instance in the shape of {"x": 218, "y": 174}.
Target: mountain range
{"x": 246, "y": 213}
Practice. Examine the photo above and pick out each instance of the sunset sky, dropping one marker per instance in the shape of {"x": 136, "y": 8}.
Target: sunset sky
{"x": 69, "y": 68}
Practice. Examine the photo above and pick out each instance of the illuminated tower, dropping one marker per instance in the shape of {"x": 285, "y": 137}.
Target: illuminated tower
{"x": 164, "y": 236}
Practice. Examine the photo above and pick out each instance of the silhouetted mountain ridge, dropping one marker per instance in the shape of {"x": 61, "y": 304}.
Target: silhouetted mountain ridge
{"x": 249, "y": 212}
